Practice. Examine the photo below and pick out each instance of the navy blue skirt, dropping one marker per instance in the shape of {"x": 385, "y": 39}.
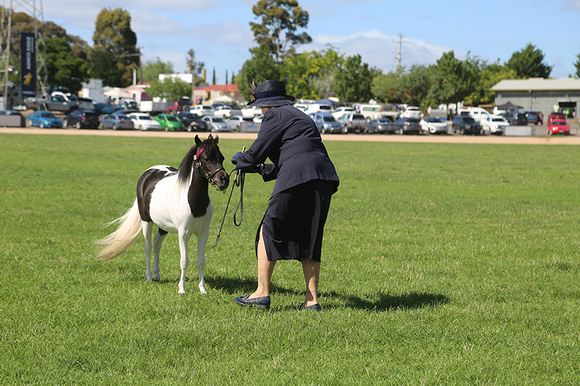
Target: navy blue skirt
{"x": 293, "y": 225}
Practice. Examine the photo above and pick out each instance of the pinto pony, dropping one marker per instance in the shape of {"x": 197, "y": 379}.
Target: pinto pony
{"x": 177, "y": 201}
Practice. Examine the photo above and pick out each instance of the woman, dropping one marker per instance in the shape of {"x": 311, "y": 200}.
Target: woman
{"x": 293, "y": 225}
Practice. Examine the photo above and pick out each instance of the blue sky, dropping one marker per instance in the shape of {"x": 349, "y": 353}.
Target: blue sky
{"x": 220, "y": 34}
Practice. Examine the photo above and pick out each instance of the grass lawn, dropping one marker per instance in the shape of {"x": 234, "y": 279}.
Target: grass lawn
{"x": 442, "y": 263}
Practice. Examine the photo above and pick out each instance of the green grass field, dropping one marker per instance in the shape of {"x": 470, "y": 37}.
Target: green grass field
{"x": 442, "y": 263}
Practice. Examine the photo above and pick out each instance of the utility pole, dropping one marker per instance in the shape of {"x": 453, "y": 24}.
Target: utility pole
{"x": 400, "y": 53}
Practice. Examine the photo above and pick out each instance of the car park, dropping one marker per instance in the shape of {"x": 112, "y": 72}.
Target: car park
{"x": 433, "y": 125}
{"x": 251, "y": 111}
{"x": 82, "y": 119}
{"x": 198, "y": 124}
{"x": 186, "y": 117}
{"x": 116, "y": 121}
{"x": 202, "y": 110}
{"x": 144, "y": 121}
{"x": 353, "y": 123}
{"x": 216, "y": 124}
{"x": 44, "y": 119}
{"x": 407, "y": 125}
{"x": 325, "y": 123}
{"x": 558, "y": 126}
{"x": 381, "y": 126}
{"x": 493, "y": 124}
{"x": 169, "y": 122}
{"x": 465, "y": 124}
{"x": 57, "y": 101}
{"x": 236, "y": 121}
{"x": 318, "y": 108}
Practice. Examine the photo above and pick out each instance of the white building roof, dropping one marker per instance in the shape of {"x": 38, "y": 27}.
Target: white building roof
{"x": 538, "y": 84}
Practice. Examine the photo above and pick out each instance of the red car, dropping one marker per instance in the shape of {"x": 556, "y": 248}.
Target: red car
{"x": 558, "y": 126}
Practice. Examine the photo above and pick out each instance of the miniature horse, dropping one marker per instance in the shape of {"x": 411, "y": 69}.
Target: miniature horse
{"x": 176, "y": 201}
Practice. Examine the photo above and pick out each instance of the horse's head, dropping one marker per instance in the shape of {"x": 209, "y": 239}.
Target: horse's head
{"x": 209, "y": 160}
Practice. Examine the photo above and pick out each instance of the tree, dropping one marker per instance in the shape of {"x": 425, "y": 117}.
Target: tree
{"x": 172, "y": 89}
{"x": 278, "y": 30}
{"x": 452, "y": 80}
{"x": 64, "y": 70}
{"x": 195, "y": 68}
{"x": 528, "y": 63}
{"x": 577, "y": 65}
{"x": 151, "y": 70}
{"x": 115, "y": 41}
{"x": 259, "y": 68}
{"x": 310, "y": 75}
{"x": 489, "y": 76}
{"x": 353, "y": 81}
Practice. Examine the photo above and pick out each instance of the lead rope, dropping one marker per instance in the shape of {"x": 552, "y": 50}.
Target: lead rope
{"x": 238, "y": 181}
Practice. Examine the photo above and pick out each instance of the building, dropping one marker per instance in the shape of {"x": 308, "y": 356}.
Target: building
{"x": 218, "y": 93}
{"x": 538, "y": 94}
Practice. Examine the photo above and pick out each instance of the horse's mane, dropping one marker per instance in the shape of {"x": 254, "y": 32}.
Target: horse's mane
{"x": 185, "y": 169}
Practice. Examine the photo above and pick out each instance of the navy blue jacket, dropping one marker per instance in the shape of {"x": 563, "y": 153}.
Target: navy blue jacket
{"x": 290, "y": 139}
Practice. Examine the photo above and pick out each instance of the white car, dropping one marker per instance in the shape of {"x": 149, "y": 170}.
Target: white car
{"x": 412, "y": 112}
{"x": 215, "y": 124}
{"x": 236, "y": 121}
{"x": 434, "y": 125}
{"x": 339, "y": 112}
{"x": 494, "y": 124}
{"x": 143, "y": 121}
{"x": 202, "y": 110}
{"x": 251, "y": 111}
{"x": 227, "y": 111}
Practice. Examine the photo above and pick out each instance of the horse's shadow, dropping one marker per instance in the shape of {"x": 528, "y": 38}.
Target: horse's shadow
{"x": 376, "y": 302}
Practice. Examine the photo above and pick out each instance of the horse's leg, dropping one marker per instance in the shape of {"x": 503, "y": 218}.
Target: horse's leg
{"x": 183, "y": 239}
{"x": 157, "y": 243}
{"x": 201, "y": 242}
{"x": 148, "y": 246}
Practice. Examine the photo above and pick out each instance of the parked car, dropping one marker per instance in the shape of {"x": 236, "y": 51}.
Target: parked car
{"x": 236, "y": 121}
{"x": 125, "y": 111}
{"x": 556, "y": 116}
{"x": 116, "y": 121}
{"x": 411, "y": 112}
{"x": 408, "y": 125}
{"x": 381, "y": 126}
{"x": 465, "y": 124}
{"x": 56, "y": 102}
{"x": 81, "y": 119}
{"x": 104, "y": 108}
{"x": 185, "y": 117}
{"x": 44, "y": 119}
{"x": 174, "y": 107}
{"x": 251, "y": 111}
{"x": 227, "y": 111}
{"x": 339, "y": 112}
{"x": 126, "y": 104}
{"x": 198, "y": 124}
{"x": 434, "y": 125}
{"x": 353, "y": 123}
{"x": 558, "y": 126}
{"x": 533, "y": 117}
{"x": 515, "y": 119}
{"x": 216, "y": 124}
{"x": 494, "y": 124}
{"x": 14, "y": 121}
{"x": 325, "y": 123}
{"x": 318, "y": 108}
{"x": 202, "y": 110}
{"x": 144, "y": 121}
{"x": 169, "y": 122}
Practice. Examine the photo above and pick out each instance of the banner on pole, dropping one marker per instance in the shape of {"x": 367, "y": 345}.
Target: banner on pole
{"x": 28, "y": 64}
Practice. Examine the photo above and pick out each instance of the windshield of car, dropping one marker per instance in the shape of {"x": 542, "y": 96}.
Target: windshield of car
{"x": 328, "y": 118}
{"x": 143, "y": 117}
{"x": 47, "y": 115}
{"x": 435, "y": 120}
{"x": 559, "y": 123}
{"x": 172, "y": 118}
{"x": 468, "y": 120}
{"x": 498, "y": 119}
{"x": 217, "y": 119}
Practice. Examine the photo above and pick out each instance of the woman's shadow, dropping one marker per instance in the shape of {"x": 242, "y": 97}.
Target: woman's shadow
{"x": 376, "y": 302}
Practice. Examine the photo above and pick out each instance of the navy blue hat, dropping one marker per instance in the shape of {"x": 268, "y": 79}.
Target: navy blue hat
{"x": 271, "y": 93}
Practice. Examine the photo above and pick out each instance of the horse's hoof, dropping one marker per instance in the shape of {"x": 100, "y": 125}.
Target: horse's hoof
{"x": 181, "y": 291}
{"x": 156, "y": 277}
{"x": 203, "y": 291}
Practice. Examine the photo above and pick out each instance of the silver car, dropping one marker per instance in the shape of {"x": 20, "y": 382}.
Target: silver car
{"x": 116, "y": 121}
{"x": 215, "y": 124}
{"x": 326, "y": 123}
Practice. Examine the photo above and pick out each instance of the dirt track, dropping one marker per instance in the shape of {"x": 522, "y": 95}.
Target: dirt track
{"x": 568, "y": 140}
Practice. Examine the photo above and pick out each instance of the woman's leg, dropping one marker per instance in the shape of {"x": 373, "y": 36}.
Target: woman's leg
{"x": 311, "y": 270}
{"x": 265, "y": 270}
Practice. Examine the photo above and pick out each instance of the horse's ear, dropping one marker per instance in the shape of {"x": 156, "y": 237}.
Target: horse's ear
{"x": 197, "y": 140}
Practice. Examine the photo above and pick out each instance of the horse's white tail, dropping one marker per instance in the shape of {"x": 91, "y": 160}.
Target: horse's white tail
{"x": 119, "y": 241}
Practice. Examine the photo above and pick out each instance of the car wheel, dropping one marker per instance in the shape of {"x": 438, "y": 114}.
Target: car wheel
{"x": 29, "y": 123}
{"x": 65, "y": 123}
{"x": 42, "y": 125}
{"x": 114, "y": 127}
{"x": 141, "y": 128}
{"x": 100, "y": 127}
{"x": 78, "y": 125}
